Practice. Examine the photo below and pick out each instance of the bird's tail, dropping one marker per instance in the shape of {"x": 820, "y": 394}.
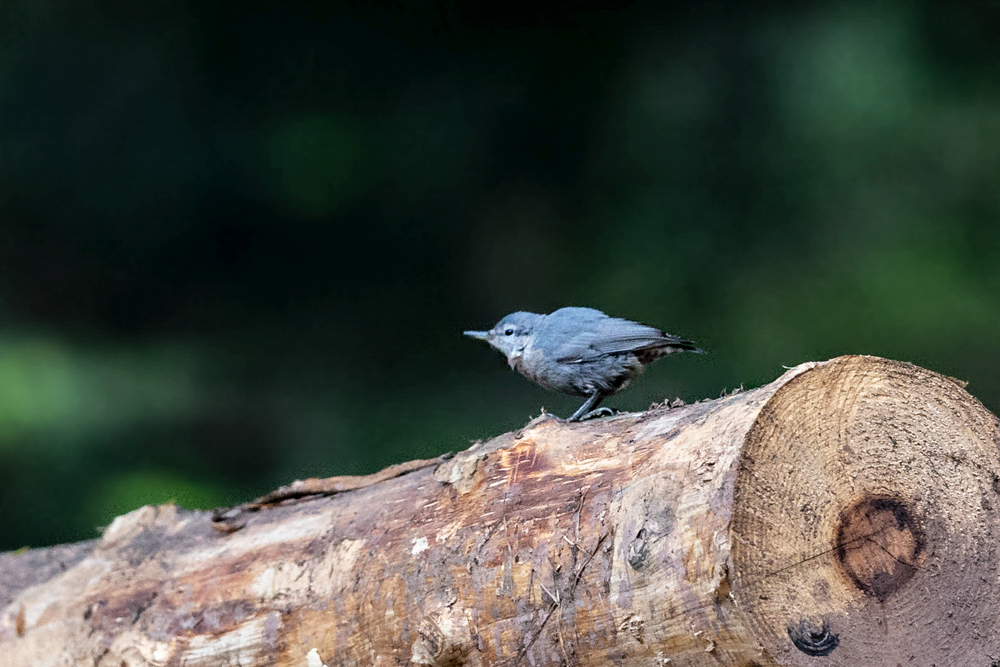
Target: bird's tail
{"x": 679, "y": 344}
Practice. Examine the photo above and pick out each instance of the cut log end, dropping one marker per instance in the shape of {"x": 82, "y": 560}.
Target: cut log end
{"x": 845, "y": 514}
{"x": 864, "y": 520}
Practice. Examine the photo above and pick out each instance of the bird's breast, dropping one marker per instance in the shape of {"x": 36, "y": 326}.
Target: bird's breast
{"x": 550, "y": 374}
{"x": 529, "y": 363}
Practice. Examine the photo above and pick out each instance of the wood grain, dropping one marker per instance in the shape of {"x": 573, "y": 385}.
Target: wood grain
{"x": 844, "y": 514}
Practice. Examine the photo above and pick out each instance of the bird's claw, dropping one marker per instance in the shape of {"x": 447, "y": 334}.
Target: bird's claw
{"x": 599, "y": 412}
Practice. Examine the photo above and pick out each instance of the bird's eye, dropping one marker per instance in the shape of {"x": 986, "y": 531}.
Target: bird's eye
{"x": 508, "y": 332}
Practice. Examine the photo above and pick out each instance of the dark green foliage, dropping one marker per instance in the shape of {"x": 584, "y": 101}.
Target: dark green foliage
{"x": 239, "y": 241}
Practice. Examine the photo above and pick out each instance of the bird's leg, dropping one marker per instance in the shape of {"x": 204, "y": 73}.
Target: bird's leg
{"x": 585, "y": 411}
{"x": 591, "y": 401}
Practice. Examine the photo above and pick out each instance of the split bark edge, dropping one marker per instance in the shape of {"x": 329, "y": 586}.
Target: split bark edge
{"x": 654, "y": 538}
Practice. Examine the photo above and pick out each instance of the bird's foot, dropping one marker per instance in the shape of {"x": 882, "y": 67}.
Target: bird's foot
{"x": 598, "y": 413}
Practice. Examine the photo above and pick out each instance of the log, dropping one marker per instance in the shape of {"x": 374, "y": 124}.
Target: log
{"x": 844, "y": 514}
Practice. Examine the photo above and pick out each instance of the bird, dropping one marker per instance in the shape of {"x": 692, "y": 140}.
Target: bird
{"x": 580, "y": 351}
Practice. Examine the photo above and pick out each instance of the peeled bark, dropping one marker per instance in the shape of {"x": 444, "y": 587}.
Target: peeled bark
{"x": 845, "y": 514}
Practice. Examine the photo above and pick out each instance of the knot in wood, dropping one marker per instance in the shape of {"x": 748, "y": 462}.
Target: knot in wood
{"x": 638, "y": 549}
{"x": 812, "y": 640}
{"x": 878, "y": 545}
{"x": 441, "y": 641}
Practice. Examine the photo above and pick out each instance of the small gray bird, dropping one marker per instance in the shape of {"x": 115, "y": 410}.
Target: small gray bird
{"x": 580, "y": 351}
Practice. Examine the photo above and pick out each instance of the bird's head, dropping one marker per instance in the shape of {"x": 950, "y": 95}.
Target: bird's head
{"x": 510, "y": 336}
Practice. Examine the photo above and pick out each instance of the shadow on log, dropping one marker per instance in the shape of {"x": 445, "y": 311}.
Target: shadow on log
{"x": 845, "y": 514}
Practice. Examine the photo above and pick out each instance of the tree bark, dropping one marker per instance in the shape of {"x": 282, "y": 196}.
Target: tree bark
{"x": 845, "y": 514}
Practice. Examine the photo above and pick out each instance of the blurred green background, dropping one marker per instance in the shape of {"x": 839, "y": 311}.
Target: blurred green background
{"x": 240, "y": 239}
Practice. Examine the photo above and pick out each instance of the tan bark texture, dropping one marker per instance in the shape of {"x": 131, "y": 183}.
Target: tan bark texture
{"x": 844, "y": 515}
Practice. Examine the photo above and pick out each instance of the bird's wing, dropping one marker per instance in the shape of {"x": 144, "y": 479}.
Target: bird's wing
{"x": 566, "y": 335}
{"x": 578, "y": 348}
{"x": 614, "y": 336}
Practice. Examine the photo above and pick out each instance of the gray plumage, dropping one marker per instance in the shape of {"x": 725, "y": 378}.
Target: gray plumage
{"x": 579, "y": 351}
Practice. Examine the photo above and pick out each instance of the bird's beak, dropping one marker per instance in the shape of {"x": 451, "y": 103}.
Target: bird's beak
{"x": 478, "y": 335}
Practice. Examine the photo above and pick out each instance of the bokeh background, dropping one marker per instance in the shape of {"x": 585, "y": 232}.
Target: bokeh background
{"x": 239, "y": 239}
